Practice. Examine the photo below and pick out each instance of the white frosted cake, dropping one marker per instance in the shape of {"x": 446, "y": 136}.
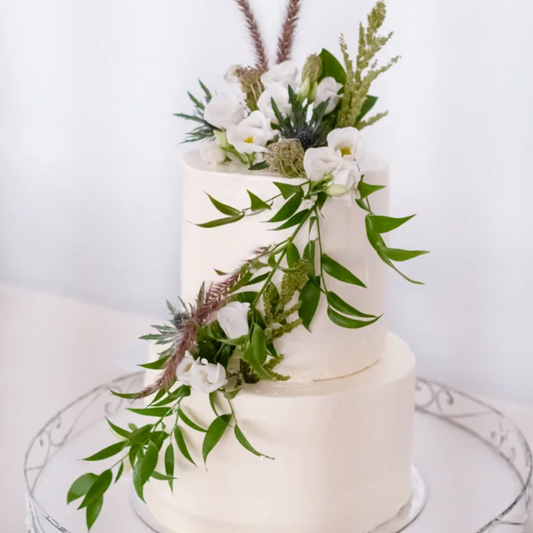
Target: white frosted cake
{"x": 339, "y": 430}
{"x": 276, "y": 400}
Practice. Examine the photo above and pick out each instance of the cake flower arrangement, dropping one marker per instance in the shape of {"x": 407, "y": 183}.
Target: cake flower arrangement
{"x": 303, "y": 124}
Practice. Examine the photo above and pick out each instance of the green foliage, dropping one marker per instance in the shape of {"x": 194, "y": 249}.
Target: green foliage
{"x": 356, "y": 102}
{"x": 204, "y": 131}
{"x": 239, "y": 435}
{"x": 311, "y": 131}
{"x": 214, "y": 434}
{"x": 332, "y": 68}
{"x": 337, "y": 271}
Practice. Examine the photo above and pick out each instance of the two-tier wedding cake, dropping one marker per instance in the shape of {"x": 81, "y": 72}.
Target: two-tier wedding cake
{"x": 275, "y": 399}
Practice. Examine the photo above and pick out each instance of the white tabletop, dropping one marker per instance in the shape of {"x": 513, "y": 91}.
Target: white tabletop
{"x": 54, "y": 349}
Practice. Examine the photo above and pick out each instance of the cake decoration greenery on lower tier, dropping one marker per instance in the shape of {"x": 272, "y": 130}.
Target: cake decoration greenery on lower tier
{"x": 305, "y": 128}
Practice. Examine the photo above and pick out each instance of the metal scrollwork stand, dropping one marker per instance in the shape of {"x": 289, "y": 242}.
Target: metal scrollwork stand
{"x": 447, "y": 404}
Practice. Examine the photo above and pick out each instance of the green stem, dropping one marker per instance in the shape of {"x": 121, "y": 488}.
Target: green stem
{"x": 321, "y": 250}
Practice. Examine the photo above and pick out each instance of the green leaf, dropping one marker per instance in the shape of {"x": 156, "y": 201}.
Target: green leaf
{"x": 159, "y": 412}
{"x": 125, "y": 396}
{"x": 169, "y": 464}
{"x": 288, "y": 209}
{"x": 263, "y": 165}
{"x": 239, "y": 435}
{"x": 195, "y": 101}
{"x": 214, "y": 434}
{"x": 224, "y": 208}
{"x": 80, "y": 487}
{"x": 395, "y": 254}
{"x": 295, "y": 220}
{"x": 93, "y": 512}
{"x": 207, "y": 92}
{"x": 158, "y": 437}
{"x": 310, "y": 298}
{"x": 256, "y": 353}
{"x": 149, "y": 462}
{"x": 293, "y": 255}
{"x": 140, "y": 435}
{"x": 137, "y": 480}
{"x": 287, "y": 190}
{"x": 257, "y": 204}
{"x": 182, "y": 444}
{"x": 331, "y": 66}
{"x": 337, "y": 271}
{"x": 98, "y": 488}
{"x": 162, "y": 477}
{"x": 213, "y": 401}
{"x": 156, "y": 365}
{"x": 118, "y": 430}
{"x": 108, "y": 452}
{"x": 120, "y": 472}
{"x": 370, "y": 102}
{"x": 310, "y": 255}
{"x": 362, "y": 205}
{"x": 188, "y": 422}
{"x": 366, "y": 189}
{"x": 258, "y": 279}
{"x": 377, "y": 242}
{"x": 336, "y": 302}
{"x": 381, "y": 224}
{"x": 221, "y": 222}
{"x": 349, "y": 323}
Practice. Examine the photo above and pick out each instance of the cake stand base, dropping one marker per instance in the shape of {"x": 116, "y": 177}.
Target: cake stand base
{"x": 406, "y": 516}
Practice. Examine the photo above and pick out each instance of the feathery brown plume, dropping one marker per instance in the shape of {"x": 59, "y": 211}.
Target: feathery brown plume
{"x": 288, "y": 31}
{"x": 207, "y": 304}
{"x": 255, "y": 34}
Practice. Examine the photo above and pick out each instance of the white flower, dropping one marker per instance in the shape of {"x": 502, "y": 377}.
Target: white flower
{"x": 252, "y": 134}
{"x": 233, "y": 319}
{"x": 346, "y": 142}
{"x": 207, "y": 377}
{"x": 328, "y": 88}
{"x": 184, "y": 370}
{"x": 345, "y": 179}
{"x": 211, "y": 152}
{"x": 320, "y": 161}
{"x": 282, "y": 74}
{"x": 280, "y": 95}
{"x": 225, "y": 109}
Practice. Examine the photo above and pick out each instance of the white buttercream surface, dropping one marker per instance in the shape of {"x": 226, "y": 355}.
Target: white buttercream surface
{"x": 329, "y": 351}
{"x": 342, "y": 450}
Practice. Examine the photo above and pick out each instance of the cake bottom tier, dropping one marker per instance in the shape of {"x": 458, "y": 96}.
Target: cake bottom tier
{"x": 341, "y": 449}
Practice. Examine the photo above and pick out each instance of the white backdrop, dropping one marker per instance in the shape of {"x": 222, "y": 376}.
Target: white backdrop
{"x": 90, "y": 173}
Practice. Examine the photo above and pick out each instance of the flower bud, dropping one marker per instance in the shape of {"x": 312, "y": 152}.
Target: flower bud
{"x": 312, "y": 68}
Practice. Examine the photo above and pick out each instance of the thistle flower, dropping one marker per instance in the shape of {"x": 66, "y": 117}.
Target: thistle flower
{"x": 286, "y": 157}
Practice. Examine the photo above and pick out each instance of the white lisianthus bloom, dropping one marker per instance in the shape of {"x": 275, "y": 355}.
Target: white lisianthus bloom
{"x": 346, "y": 142}
{"x": 280, "y": 95}
{"x": 211, "y": 153}
{"x": 282, "y": 74}
{"x": 252, "y": 134}
{"x": 184, "y": 370}
{"x": 344, "y": 182}
{"x": 225, "y": 109}
{"x": 320, "y": 161}
{"x": 233, "y": 319}
{"x": 328, "y": 88}
{"x": 207, "y": 377}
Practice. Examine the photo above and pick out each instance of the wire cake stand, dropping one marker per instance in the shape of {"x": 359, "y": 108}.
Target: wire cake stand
{"x": 477, "y": 462}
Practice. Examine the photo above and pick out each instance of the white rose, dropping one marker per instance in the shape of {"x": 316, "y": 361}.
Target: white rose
{"x": 225, "y": 109}
{"x": 320, "y": 161}
{"x": 346, "y": 142}
{"x": 211, "y": 152}
{"x": 184, "y": 369}
{"x": 233, "y": 319}
{"x": 207, "y": 377}
{"x": 328, "y": 88}
{"x": 280, "y": 95}
{"x": 252, "y": 134}
{"x": 282, "y": 74}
